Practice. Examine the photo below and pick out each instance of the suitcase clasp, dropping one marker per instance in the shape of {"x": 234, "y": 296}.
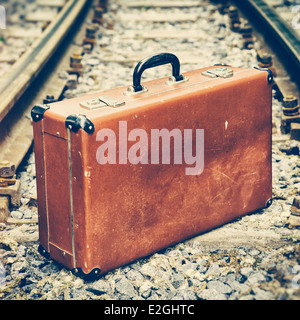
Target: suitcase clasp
{"x": 218, "y": 73}
{"x": 101, "y": 102}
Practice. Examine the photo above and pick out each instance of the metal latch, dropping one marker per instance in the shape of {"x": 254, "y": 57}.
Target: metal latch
{"x": 218, "y": 73}
{"x": 101, "y": 102}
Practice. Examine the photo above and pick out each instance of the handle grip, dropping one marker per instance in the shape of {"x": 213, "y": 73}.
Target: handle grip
{"x": 154, "y": 61}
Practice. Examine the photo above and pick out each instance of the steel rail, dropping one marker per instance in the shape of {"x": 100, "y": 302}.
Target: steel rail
{"x": 282, "y": 37}
{"x": 15, "y": 128}
{"x": 26, "y": 69}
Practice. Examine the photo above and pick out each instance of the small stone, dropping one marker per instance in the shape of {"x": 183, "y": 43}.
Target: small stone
{"x": 219, "y": 286}
{"x": 125, "y": 287}
{"x": 50, "y": 268}
{"x": 134, "y": 275}
{"x": 246, "y": 271}
{"x": 146, "y": 294}
{"x": 177, "y": 281}
{"x": 210, "y": 294}
{"x": 294, "y": 221}
{"x": 21, "y": 252}
{"x": 93, "y": 61}
{"x": 189, "y": 267}
{"x": 237, "y": 286}
{"x": 148, "y": 270}
{"x": 27, "y": 214}
{"x": 90, "y": 82}
{"x": 260, "y": 294}
{"x": 254, "y": 252}
{"x": 247, "y": 297}
{"x": 16, "y": 214}
{"x": 19, "y": 267}
{"x": 256, "y": 277}
{"x": 201, "y": 265}
{"x": 24, "y": 201}
{"x": 242, "y": 252}
{"x": 188, "y": 294}
{"x": 47, "y": 287}
{"x": 37, "y": 263}
{"x": 63, "y": 74}
{"x": 214, "y": 269}
{"x": 99, "y": 287}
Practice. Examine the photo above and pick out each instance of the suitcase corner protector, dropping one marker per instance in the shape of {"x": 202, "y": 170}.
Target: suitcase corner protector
{"x": 43, "y": 252}
{"x": 91, "y": 276}
{"x": 74, "y": 122}
{"x": 268, "y": 203}
{"x": 270, "y": 73}
{"x": 37, "y": 112}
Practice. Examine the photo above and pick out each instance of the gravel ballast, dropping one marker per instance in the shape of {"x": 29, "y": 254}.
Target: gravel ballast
{"x": 255, "y": 257}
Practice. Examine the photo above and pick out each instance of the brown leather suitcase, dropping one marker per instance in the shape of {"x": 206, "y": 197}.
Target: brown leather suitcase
{"x": 129, "y": 171}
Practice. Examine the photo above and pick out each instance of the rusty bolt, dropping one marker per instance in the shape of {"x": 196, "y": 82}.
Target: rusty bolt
{"x": 291, "y": 112}
{"x": 295, "y": 208}
{"x": 49, "y": 99}
{"x": 72, "y": 81}
{"x": 265, "y": 58}
{"x": 223, "y": 7}
{"x": 7, "y": 169}
{"x": 246, "y": 29}
{"x": 103, "y": 4}
{"x": 248, "y": 43}
{"x": 233, "y": 12}
{"x": 91, "y": 31}
{"x": 235, "y": 26}
{"x": 76, "y": 58}
{"x": 98, "y": 12}
{"x": 290, "y": 102}
{"x": 75, "y": 61}
{"x": 87, "y": 48}
{"x": 110, "y": 24}
{"x": 98, "y": 15}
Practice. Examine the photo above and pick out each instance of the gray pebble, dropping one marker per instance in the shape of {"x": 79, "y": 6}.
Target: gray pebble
{"x": 124, "y": 287}
{"x": 219, "y": 286}
{"x": 188, "y": 294}
{"x": 100, "y": 287}
{"x": 247, "y": 297}
{"x": 146, "y": 294}
{"x": 254, "y": 252}
{"x": 256, "y": 277}
{"x": 246, "y": 271}
{"x": 213, "y": 269}
{"x": 260, "y": 294}
{"x": 27, "y": 214}
{"x": 177, "y": 280}
{"x": 21, "y": 251}
{"x": 134, "y": 275}
{"x": 19, "y": 267}
{"x": 16, "y": 214}
{"x": 210, "y": 294}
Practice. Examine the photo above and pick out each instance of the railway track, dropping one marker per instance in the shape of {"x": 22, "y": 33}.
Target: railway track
{"x": 116, "y": 35}
{"x": 278, "y": 23}
{"x": 16, "y": 131}
{"x": 279, "y": 33}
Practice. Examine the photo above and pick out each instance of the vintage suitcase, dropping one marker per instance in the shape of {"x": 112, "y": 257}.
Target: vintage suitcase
{"x": 129, "y": 171}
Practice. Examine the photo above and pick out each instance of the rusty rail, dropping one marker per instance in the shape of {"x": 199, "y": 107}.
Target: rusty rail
{"x": 282, "y": 37}
{"x": 16, "y": 130}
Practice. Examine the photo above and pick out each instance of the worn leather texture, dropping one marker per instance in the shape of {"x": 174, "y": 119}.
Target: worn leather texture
{"x": 121, "y": 212}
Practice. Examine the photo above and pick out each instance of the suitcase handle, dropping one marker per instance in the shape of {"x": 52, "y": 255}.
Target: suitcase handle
{"x": 154, "y": 61}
